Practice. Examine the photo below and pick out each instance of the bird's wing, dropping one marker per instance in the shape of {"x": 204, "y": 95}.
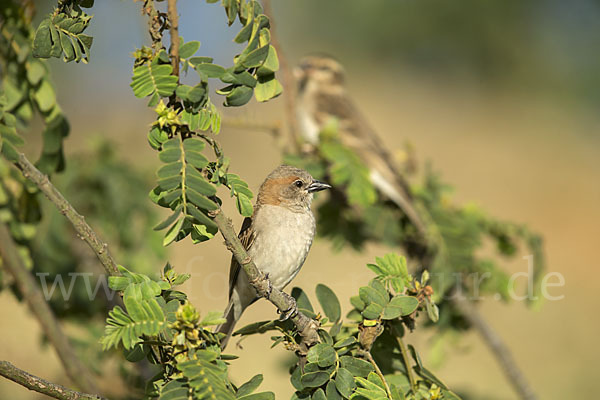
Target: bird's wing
{"x": 358, "y": 135}
{"x": 246, "y": 236}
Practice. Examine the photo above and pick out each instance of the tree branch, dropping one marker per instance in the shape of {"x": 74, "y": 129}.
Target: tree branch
{"x": 497, "y": 346}
{"x": 11, "y": 260}
{"x": 84, "y": 231}
{"x": 174, "y": 33}
{"x": 306, "y": 326}
{"x": 289, "y": 83}
{"x": 367, "y": 354}
{"x": 406, "y": 359}
{"x": 40, "y": 385}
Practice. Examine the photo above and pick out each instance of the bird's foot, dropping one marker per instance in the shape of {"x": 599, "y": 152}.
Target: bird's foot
{"x": 290, "y": 312}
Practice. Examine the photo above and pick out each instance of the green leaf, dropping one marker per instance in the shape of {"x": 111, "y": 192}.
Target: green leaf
{"x": 392, "y": 269}
{"x": 244, "y": 205}
{"x": 256, "y": 57}
{"x": 344, "y": 342}
{"x": 45, "y": 96}
{"x": 347, "y": 170}
{"x": 209, "y": 70}
{"x": 295, "y": 378}
{"x": 238, "y": 96}
{"x": 331, "y": 391}
{"x": 314, "y": 379}
{"x": 357, "y": 302}
{"x": 250, "y": 386}
{"x": 329, "y": 302}
{"x": 372, "y": 311}
{"x": 200, "y": 200}
{"x": 259, "y": 396}
{"x": 149, "y": 79}
{"x": 147, "y": 319}
{"x": 271, "y": 64}
{"x": 433, "y": 312}
{"x": 319, "y": 395}
{"x": 302, "y": 301}
{"x": 356, "y": 366}
{"x": 188, "y": 49}
{"x": 35, "y": 71}
{"x": 173, "y": 231}
{"x": 62, "y": 35}
{"x": 174, "y": 390}
{"x": 170, "y": 155}
{"x": 344, "y": 382}
{"x": 370, "y": 295}
{"x": 42, "y": 42}
{"x": 118, "y": 282}
{"x": 399, "y": 306}
{"x": 370, "y": 389}
{"x": 202, "y": 218}
{"x": 244, "y": 34}
{"x": 169, "y": 220}
{"x": 194, "y": 157}
{"x": 268, "y": 90}
{"x": 241, "y": 78}
{"x": 322, "y": 354}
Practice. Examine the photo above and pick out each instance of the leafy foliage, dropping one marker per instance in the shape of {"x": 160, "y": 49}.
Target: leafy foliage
{"x": 153, "y": 79}
{"x": 455, "y": 234}
{"x": 340, "y": 367}
{"x": 27, "y": 88}
{"x": 361, "y": 356}
{"x": 61, "y": 33}
{"x": 183, "y": 188}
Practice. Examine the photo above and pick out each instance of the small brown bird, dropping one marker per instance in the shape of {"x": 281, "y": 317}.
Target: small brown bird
{"x": 321, "y": 97}
{"x": 278, "y": 237}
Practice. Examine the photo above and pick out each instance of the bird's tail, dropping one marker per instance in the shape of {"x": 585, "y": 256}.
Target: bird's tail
{"x": 229, "y": 325}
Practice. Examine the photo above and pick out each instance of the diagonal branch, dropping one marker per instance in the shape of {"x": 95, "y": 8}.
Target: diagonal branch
{"x": 42, "y": 386}
{"x": 497, "y": 347}
{"x": 12, "y": 262}
{"x": 305, "y": 325}
{"x": 84, "y": 231}
{"x": 287, "y": 76}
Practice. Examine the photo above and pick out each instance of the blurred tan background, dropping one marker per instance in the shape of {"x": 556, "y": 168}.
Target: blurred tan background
{"x": 502, "y": 99}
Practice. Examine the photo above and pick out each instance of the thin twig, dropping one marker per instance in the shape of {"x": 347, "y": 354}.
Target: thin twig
{"x": 409, "y": 371}
{"x": 288, "y": 81}
{"x": 174, "y": 33}
{"x": 12, "y": 262}
{"x": 84, "y": 231}
{"x": 369, "y": 357}
{"x": 306, "y": 326}
{"x": 497, "y": 346}
{"x": 42, "y": 386}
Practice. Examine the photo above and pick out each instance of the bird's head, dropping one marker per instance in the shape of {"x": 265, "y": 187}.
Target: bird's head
{"x": 320, "y": 70}
{"x": 289, "y": 187}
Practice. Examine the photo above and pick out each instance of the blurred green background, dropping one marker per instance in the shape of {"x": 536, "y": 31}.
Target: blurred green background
{"x": 501, "y": 97}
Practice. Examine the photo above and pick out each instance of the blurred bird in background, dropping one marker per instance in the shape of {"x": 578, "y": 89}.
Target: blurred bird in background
{"x": 321, "y": 98}
{"x": 278, "y": 237}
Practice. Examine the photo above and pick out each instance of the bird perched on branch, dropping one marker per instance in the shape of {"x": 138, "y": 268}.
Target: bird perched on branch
{"x": 321, "y": 98}
{"x": 278, "y": 237}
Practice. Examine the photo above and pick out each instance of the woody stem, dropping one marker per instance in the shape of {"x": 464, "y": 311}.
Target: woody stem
{"x": 305, "y": 325}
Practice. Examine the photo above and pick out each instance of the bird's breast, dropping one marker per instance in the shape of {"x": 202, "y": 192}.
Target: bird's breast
{"x": 283, "y": 239}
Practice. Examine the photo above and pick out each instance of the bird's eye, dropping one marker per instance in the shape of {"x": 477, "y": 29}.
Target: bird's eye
{"x": 298, "y": 183}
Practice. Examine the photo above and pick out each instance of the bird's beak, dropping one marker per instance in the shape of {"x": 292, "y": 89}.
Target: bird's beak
{"x": 317, "y": 186}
